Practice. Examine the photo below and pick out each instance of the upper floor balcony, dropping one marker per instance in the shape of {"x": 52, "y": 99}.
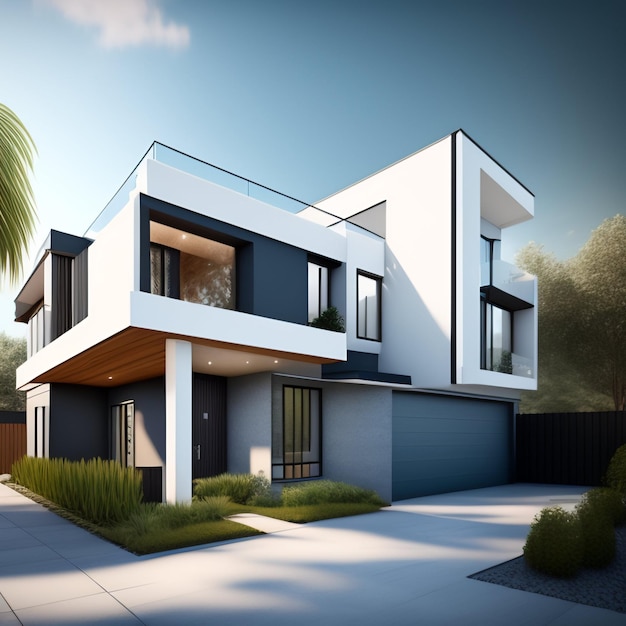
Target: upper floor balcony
{"x": 508, "y": 284}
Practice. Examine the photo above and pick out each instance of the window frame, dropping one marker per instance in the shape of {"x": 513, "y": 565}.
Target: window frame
{"x": 378, "y": 281}
{"x": 486, "y": 333}
{"x": 301, "y": 469}
{"x": 321, "y": 297}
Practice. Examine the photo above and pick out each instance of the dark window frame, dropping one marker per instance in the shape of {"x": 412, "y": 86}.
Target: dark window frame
{"x": 301, "y": 469}
{"x": 379, "y": 297}
{"x": 321, "y": 266}
{"x": 484, "y": 325}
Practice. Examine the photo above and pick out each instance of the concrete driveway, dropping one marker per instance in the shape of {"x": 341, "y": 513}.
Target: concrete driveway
{"x": 407, "y": 564}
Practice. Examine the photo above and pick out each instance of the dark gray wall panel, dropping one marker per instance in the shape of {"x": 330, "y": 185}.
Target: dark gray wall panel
{"x": 271, "y": 275}
{"x": 445, "y": 443}
{"x": 149, "y": 399}
{"x": 78, "y": 422}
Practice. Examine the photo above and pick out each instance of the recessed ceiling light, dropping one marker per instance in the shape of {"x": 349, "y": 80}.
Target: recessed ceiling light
{"x": 184, "y": 236}
{"x": 110, "y": 377}
{"x": 210, "y": 362}
{"x": 275, "y": 360}
{"x": 247, "y": 362}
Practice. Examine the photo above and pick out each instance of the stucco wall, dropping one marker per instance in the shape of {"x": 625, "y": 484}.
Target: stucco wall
{"x": 357, "y": 436}
{"x": 249, "y": 420}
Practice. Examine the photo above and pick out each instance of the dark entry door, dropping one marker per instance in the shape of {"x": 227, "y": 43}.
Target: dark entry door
{"x": 209, "y": 425}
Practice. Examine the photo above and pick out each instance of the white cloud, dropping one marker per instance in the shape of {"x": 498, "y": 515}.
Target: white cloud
{"x": 124, "y": 23}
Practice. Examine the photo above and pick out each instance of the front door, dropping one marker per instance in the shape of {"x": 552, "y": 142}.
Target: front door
{"x": 208, "y": 426}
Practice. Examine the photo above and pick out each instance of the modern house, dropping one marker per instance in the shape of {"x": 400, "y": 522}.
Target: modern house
{"x": 175, "y": 335}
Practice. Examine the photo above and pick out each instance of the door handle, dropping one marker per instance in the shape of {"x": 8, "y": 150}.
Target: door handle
{"x": 197, "y": 447}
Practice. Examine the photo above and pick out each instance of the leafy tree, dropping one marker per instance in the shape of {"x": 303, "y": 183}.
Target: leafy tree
{"x": 582, "y": 330}
{"x": 12, "y": 355}
{"x": 599, "y": 272}
{"x": 17, "y": 211}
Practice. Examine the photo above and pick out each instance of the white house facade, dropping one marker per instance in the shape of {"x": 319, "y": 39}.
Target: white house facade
{"x": 176, "y": 336}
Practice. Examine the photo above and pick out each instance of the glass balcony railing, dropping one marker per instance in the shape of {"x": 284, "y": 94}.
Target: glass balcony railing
{"x": 508, "y": 278}
{"x": 511, "y": 363}
{"x": 196, "y": 167}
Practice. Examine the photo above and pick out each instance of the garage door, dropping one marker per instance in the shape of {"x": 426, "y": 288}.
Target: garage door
{"x": 444, "y": 443}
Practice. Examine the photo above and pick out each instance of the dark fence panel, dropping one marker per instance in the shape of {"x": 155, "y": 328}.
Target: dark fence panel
{"x": 567, "y": 448}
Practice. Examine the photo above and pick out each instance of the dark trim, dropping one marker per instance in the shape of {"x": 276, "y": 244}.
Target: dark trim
{"x": 12, "y": 417}
{"x": 504, "y": 300}
{"x": 453, "y": 277}
{"x": 380, "y": 377}
{"x": 517, "y": 180}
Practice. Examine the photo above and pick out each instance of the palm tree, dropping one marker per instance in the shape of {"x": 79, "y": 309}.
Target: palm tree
{"x": 17, "y": 210}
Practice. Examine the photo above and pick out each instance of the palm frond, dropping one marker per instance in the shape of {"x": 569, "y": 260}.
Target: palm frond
{"x": 17, "y": 206}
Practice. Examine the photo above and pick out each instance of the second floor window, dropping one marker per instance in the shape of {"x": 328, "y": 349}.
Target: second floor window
{"x": 198, "y": 270}
{"x": 319, "y": 287}
{"x": 368, "y": 315}
{"x": 497, "y": 338}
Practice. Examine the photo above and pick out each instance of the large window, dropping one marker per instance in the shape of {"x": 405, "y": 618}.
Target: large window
{"x": 497, "y": 338}
{"x": 319, "y": 289}
{"x": 37, "y": 330}
{"x": 368, "y": 306}
{"x": 191, "y": 268}
{"x": 296, "y": 434}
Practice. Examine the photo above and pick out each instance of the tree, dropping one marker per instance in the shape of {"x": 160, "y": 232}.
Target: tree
{"x": 582, "y": 330}
{"x": 12, "y": 355}
{"x": 599, "y": 272}
{"x": 17, "y": 211}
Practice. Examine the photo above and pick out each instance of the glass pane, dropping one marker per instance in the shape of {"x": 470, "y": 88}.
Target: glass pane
{"x": 155, "y": 271}
{"x": 209, "y": 279}
{"x": 314, "y": 291}
{"x": 318, "y": 290}
{"x": 368, "y": 307}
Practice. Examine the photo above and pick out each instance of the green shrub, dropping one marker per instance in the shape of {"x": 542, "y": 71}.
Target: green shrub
{"x": 240, "y": 488}
{"x": 330, "y": 319}
{"x": 598, "y": 533}
{"x": 554, "y": 544}
{"x": 606, "y": 501}
{"x": 616, "y": 473}
{"x": 327, "y": 491}
{"x": 102, "y": 492}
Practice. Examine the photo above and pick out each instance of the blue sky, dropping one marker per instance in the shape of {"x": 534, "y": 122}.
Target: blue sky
{"x": 308, "y": 98}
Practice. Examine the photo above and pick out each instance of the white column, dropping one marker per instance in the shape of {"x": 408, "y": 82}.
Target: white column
{"x": 178, "y": 386}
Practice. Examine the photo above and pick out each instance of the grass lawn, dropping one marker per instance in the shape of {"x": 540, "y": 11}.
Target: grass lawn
{"x": 152, "y": 532}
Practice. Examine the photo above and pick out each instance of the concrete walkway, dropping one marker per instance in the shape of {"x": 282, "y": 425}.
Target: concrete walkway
{"x": 407, "y": 564}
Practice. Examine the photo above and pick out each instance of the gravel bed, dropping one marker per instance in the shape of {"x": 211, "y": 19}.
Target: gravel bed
{"x": 604, "y": 588}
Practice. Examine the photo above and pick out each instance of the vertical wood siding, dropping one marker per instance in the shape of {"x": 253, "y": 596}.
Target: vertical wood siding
{"x": 12, "y": 445}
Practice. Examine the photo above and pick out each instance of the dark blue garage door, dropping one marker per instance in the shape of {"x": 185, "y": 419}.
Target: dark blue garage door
{"x": 445, "y": 443}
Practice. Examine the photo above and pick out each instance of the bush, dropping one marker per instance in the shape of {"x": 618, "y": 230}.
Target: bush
{"x": 330, "y": 319}
{"x": 102, "y": 492}
{"x": 607, "y": 502}
{"x": 598, "y": 534}
{"x": 240, "y": 488}
{"x": 616, "y": 473}
{"x": 327, "y": 491}
{"x": 554, "y": 544}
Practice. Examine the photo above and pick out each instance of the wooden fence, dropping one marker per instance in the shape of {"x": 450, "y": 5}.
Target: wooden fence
{"x": 12, "y": 438}
{"x": 567, "y": 448}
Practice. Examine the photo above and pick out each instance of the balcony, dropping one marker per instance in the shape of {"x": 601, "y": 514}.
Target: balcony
{"x": 511, "y": 363}
{"x": 507, "y": 285}
{"x": 201, "y": 169}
